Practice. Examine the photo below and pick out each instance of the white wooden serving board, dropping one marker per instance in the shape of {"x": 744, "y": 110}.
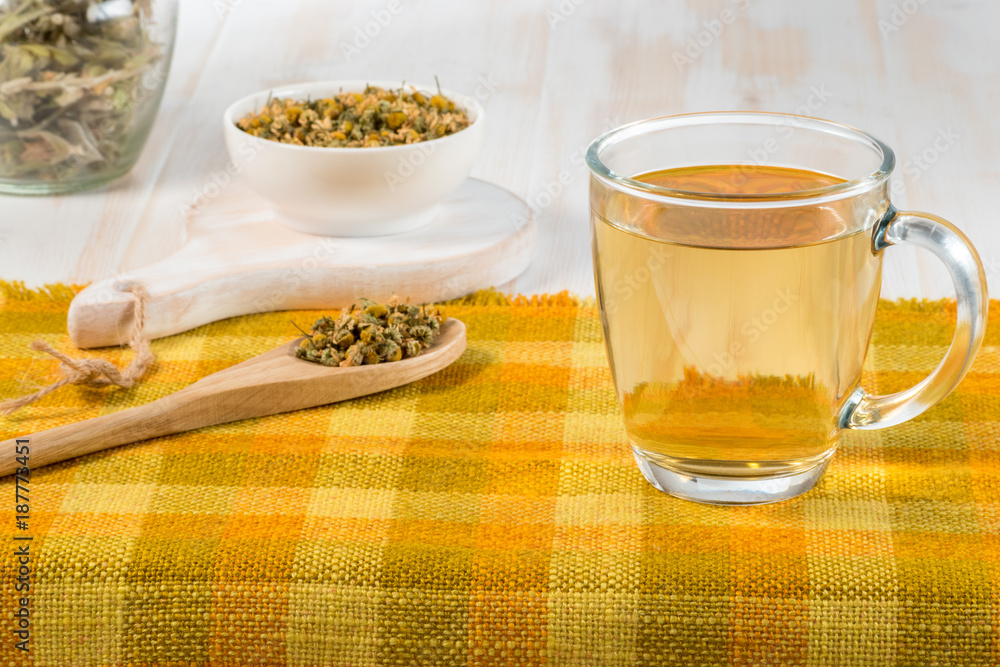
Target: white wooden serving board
{"x": 237, "y": 259}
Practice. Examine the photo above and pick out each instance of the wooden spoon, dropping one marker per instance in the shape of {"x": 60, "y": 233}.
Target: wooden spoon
{"x": 267, "y": 384}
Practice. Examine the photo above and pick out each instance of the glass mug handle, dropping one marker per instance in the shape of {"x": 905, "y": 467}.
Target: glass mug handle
{"x": 865, "y": 411}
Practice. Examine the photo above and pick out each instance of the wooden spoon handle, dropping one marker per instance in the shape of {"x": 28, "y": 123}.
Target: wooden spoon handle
{"x": 225, "y": 396}
{"x": 228, "y": 395}
{"x": 91, "y": 435}
{"x": 267, "y": 384}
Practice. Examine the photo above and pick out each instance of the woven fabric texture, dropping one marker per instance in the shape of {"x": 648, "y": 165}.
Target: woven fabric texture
{"x": 492, "y": 515}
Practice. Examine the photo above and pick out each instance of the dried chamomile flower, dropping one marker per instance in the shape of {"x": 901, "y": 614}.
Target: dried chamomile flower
{"x": 370, "y": 334}
{"x": 376, "y": 117}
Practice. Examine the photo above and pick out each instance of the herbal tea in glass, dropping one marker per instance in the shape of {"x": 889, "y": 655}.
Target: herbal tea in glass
{"x": 695, "y": 332}
{"x": 738, "y": 262}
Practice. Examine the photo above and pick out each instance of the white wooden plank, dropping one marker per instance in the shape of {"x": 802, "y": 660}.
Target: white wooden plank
{"x": 943, "y": 66}
{"x": 81, "y": 237}
{"x": 552, "y": 75}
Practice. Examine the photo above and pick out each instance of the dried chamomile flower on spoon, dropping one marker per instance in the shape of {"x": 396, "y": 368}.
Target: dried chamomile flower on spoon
{"x": 370, "y": 334}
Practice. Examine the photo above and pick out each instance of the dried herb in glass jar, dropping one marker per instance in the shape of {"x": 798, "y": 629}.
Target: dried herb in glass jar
{"x": 80, "y": 82}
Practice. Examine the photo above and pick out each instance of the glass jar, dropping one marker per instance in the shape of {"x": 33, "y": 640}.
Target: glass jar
{"x": 80, "y": 84}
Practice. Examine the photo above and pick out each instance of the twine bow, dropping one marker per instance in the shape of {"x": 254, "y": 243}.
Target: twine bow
{"x": 96, "y": 372}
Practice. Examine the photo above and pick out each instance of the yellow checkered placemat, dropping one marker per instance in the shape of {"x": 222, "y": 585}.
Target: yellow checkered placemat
{"x": 491, "y": 514}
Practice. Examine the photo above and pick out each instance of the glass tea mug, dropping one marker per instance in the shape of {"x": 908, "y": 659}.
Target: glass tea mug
{"x": 737, "y": 322}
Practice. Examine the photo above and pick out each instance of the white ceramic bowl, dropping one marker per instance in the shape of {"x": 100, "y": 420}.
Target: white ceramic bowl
{"x": 352, "y": 191}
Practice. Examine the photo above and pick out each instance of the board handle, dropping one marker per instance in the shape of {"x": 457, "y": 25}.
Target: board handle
{"x": 102, "y": 314}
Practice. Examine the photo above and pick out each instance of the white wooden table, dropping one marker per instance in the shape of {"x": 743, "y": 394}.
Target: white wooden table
{"x": 552, "y": 75}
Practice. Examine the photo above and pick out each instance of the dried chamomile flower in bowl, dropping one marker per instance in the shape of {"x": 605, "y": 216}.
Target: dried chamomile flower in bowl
{"x": 369, "y": 119}
{"x": 354, "y": 158}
